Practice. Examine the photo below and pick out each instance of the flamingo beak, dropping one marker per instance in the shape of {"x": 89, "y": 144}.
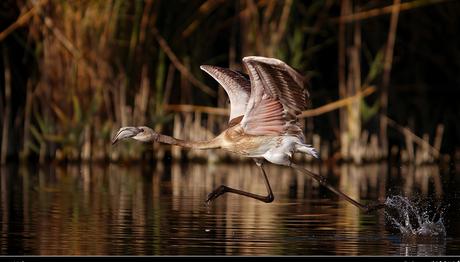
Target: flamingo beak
{"x": 125, "y": 132}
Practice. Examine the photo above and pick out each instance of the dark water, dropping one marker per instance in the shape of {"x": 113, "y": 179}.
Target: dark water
{"x": 159, "y": 210}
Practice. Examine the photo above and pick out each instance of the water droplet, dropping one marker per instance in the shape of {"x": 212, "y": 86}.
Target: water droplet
{"x": 412, "y": 218}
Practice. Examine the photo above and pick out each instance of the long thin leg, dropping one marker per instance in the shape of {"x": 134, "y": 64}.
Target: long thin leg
{"x": 225, "y": 189}
{"x": 323, "y": 181}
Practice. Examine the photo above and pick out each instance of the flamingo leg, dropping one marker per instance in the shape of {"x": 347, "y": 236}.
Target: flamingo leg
{"x": 225, "y": 189}
{"x": 323, "y": 181}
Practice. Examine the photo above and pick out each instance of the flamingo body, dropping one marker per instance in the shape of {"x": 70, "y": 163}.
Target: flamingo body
{"x": 275, "y": 149}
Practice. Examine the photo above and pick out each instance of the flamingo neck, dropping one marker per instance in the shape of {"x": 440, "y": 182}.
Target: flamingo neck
{"x": 209, "y": 144}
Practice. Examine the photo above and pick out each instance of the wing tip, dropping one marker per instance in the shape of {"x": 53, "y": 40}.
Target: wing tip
{"x": 266, "y": 60}
{"x": 211, "y": 68}
{"x": 276, "y": 62}
{"x": 205, "y": 67}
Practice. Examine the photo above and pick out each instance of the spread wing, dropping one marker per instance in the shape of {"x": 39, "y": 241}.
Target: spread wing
{"x": 237, "y": 87}
{"x": 278, "y": 95}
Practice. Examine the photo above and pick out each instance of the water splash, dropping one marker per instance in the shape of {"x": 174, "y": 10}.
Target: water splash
{"x": 414, "y": 218}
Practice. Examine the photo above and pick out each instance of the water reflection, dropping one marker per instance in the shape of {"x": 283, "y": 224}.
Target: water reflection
{"x": 414, "y": 248}
{"x": 158, "y": 209}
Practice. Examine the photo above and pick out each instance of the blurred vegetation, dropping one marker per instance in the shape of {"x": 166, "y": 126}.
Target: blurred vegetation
{"x": 73, "y": 72}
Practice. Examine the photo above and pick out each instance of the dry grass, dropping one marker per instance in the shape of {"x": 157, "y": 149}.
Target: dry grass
{"x": 106, "y": 64}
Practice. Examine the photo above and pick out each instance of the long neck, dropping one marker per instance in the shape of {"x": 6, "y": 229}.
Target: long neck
{"x": 210, "y": 144}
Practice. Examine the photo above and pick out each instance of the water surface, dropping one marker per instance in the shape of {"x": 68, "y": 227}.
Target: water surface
{"x": 158, "y": 209}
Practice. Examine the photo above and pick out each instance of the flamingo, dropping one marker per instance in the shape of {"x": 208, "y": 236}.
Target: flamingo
{"x": 263, "y": 123}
